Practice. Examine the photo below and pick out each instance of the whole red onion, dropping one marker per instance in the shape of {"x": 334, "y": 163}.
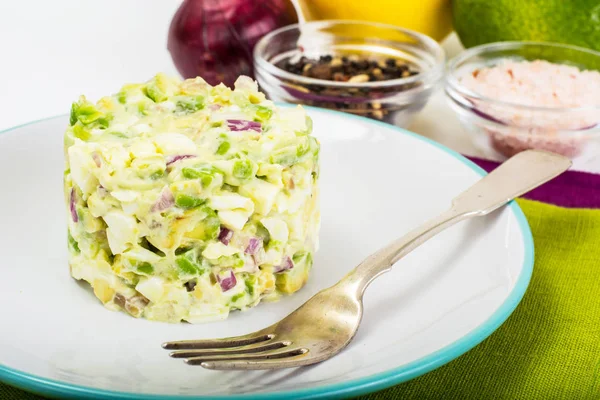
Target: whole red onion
{"x": 214, "y": 39}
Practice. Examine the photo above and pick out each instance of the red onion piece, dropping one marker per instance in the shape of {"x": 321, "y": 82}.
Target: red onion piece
{"x": 253, "y": 245}
{"x": 172, "y": 159}
{"x": 72, "y": 205}
{"x": 225, "y": 235}
{"x": 215, "y": 39}
{"x": 238, "y": 125}
{"x": 285, "y": 265}
{"x": 165, "y": 201}
{"x": 228, "y": 282}
{"x": 97, "y": 159}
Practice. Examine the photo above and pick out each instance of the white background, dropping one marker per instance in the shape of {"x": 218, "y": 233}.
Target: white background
{"x": 54, "y": 50}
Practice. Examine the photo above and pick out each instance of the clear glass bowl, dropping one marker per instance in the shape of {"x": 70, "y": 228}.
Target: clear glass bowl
{"x": 395, "y": 101}
{"x": 501, "y": 129}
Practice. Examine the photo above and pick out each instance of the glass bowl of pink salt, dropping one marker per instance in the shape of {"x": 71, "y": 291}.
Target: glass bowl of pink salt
{"x": 515, "y": 96}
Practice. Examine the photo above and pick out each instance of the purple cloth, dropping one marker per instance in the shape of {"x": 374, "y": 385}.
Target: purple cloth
{"x": 573, "y": 189}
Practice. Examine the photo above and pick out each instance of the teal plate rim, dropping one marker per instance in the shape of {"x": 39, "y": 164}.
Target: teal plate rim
{"x": 383, "y": 380}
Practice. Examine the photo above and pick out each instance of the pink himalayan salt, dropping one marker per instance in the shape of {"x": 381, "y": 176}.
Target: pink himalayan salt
{"x": 537, "y": 84}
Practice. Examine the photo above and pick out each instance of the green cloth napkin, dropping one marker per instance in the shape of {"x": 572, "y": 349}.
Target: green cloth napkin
{"x": 549, "y": 348}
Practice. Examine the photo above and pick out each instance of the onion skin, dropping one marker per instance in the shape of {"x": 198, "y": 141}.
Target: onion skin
{"x": 214, "y": 39}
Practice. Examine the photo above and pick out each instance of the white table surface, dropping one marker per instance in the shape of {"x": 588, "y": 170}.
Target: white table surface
{"x": 54, "y": 50}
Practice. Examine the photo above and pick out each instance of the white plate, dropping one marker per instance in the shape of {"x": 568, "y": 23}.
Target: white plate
{"x": 377, "y": 183}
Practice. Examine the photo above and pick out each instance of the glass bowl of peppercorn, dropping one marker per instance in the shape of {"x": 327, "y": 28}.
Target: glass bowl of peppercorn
{"x": 369, "y": 69}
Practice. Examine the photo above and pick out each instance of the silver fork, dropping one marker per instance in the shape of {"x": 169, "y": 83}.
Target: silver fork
{"x": 327, "y": 322}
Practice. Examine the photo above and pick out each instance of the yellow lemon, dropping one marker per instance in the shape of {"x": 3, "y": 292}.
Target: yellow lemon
{"x": 431, "y": 17}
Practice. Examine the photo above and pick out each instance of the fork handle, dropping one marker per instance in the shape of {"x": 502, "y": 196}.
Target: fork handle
{"x": 518, "y": 175}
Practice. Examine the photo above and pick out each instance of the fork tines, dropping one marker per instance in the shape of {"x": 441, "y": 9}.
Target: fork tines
{"x": 259, "y": 352}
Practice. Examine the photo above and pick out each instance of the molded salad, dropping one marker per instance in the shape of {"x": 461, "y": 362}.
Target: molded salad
{"x": 186, "y": 201}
